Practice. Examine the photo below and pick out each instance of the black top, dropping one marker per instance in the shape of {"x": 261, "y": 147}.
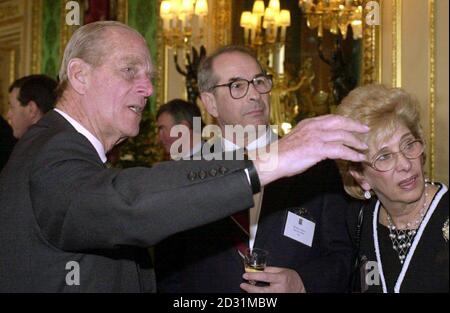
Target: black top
{"x": 428, "y": 267}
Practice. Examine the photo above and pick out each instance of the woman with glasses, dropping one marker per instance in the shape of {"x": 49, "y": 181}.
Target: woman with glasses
{"x": 402, "y": 230}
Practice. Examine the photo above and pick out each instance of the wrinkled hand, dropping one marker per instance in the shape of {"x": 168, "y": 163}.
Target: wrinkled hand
{"x": 280, "y": 279}
{"x": 311, "y": 141}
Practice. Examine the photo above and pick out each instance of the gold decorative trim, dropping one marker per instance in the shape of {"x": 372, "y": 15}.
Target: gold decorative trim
{"x": 11, "y": 21}
{"x": 432, "y": 85}
{"x": 36, "y": 35}
{"x": 371, "y": 61}
{"x": 161, "y": 69}
{"x": 10, "y": 10}
{"x": 397, "y": 43}
{"x": 12, "y": 66}
{"x": 122, "y": 11}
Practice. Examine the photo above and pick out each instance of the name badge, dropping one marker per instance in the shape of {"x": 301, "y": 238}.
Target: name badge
{"x": 299, "y": 228}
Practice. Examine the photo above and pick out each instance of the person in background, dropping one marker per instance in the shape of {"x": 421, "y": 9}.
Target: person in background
{"x": 179, "y": 112}
{"x": 402, "y": 228}
{"x": 30, "y": 97}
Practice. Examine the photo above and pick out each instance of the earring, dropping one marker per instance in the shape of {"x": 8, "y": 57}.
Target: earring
{"x": 367, "y": 194}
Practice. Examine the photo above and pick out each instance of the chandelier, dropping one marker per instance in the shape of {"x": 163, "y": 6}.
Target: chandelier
{"x": 183, "y": 30}
{"x": 180, "y": 19}
{"x": 265, "y": 24}
{"x": 333, "y": 15}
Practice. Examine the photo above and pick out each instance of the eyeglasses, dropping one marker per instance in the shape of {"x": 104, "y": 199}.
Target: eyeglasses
{"x": 239, "y": 87}
{"x": 384, "y": 162}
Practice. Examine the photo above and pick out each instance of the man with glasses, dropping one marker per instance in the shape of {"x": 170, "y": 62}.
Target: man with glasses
{"x": 298, "y": 220}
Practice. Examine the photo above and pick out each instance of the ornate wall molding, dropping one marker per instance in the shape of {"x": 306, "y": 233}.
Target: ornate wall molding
{"x": 12, "y": 46}
{"x": 397, "y": 43}
{"x": 10, "y": 11}
{"x": 12, "y": 66}
{"x": 122, "y": 11}
{"x": 371, "y": 55}
{"x": 432, "y": 87}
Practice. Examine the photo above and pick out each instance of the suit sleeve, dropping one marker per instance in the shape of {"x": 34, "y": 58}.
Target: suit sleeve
{"x": 80, "y": 205}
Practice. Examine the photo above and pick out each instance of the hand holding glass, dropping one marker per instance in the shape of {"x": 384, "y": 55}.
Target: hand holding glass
{"x": 255, "y": 261}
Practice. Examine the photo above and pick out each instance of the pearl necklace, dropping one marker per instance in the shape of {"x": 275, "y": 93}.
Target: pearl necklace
{"x": 403, "y": 238}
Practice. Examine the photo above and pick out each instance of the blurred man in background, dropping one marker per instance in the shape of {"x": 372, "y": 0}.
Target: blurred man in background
{"x": 30, "y": 97}
{"x": 179, "y": 112}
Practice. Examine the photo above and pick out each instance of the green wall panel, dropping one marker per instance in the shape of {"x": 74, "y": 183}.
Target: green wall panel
{"x": 51, "y": 37}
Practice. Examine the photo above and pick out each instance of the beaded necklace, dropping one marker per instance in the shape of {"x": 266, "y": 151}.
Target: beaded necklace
{"x": 403, "y": 238}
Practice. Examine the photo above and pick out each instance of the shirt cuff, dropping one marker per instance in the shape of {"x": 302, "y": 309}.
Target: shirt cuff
{"x": 252, "y": 176}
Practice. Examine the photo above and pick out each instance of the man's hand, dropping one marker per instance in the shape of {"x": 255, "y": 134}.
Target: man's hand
{"x": 280, "y": 279}
{"x": 311, "y": 141}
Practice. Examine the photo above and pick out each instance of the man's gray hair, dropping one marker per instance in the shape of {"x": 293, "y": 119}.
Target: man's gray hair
{"x": 206, "y": 76}
{"x": 89, "y": 44}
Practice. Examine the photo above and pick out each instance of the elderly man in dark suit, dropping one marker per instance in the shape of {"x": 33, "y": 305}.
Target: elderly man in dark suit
{"x": 70, "y": 224}
{"x": 235, "y": 91}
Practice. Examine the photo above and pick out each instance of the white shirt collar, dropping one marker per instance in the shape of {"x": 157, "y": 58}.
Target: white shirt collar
{"x": 82, "y": 130}
{"x": 261, "y": 142}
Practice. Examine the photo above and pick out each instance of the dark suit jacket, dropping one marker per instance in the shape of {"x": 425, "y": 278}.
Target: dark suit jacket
{"x": 204, "y": 259}
{"x": 7, "y": 142}
{"x": 59, "y": 203}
